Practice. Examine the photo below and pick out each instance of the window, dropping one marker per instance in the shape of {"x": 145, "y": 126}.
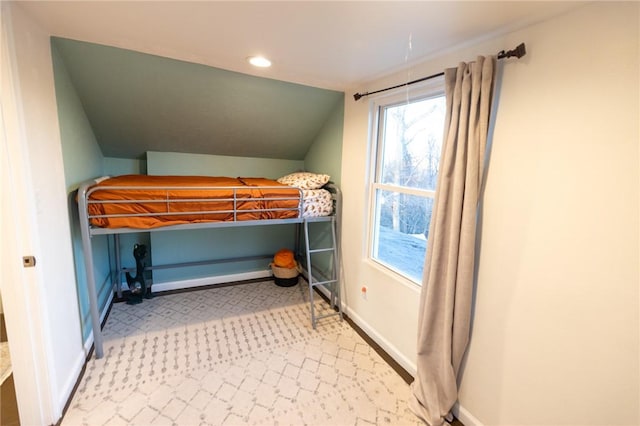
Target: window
{"x": 408, "y": 146}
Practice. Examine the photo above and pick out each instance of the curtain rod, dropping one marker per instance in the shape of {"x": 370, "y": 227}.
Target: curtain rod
{"x": 518, "y": 52}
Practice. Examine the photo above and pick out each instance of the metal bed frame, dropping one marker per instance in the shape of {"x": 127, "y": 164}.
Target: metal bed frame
{"x": 313, "y": 277}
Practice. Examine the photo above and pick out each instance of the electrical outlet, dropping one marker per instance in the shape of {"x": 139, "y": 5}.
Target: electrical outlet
{"x": 363, "y": 292}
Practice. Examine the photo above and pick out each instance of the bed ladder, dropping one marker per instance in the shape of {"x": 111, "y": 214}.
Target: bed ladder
{"x": 332, "y": 282}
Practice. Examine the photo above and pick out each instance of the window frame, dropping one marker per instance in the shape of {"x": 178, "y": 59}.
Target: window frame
{"x": 429, "y": 89}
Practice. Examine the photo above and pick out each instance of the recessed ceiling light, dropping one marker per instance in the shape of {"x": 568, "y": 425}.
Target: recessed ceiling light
{"x": 259, "y": 61}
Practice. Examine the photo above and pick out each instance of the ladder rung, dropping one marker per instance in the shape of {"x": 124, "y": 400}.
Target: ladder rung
{"x": 321, "y": 250}
{"x": 327, "y": 315}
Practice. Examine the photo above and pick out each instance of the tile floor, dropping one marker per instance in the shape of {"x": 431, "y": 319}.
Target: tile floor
{"x": 237, "y": 355}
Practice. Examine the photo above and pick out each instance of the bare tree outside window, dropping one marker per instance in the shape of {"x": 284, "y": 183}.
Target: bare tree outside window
{"x": 409, "y": 146}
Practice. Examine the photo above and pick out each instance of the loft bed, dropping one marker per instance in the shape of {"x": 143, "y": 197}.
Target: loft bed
{"x": 143, "y": 203}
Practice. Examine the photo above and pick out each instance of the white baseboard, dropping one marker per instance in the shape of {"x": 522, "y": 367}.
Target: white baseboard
{"x": 465, "y": 416}
{"x": 458, "y": 410}
{"x": 390, "y": 349}
{"x": 70, "y": 383}
{"x": 199, "y": 282}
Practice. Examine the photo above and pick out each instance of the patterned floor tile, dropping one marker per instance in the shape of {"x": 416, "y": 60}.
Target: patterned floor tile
{"x": 236, "y": 355}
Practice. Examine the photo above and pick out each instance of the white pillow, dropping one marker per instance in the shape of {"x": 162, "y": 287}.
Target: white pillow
{"x": 305, "y": 180}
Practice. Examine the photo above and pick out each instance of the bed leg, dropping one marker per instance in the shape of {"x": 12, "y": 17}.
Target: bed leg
{"x": 116, "y": 244}
{"x": 296, "y": 247}
{"x": 93, "y": 295}
{"x": 87, "y": 249}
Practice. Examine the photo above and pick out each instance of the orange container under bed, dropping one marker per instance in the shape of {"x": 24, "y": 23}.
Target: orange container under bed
{"x": 136, "y": 203}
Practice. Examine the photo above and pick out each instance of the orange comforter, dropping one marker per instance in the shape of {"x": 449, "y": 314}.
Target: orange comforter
{"x": 173, "y": 200}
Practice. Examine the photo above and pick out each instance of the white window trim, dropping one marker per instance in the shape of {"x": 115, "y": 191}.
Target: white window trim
{"x": 405, "y": 190}
{"x": 424, "y": 90}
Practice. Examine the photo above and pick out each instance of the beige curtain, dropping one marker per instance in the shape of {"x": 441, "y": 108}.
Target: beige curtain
{"x": 447, "y": 287}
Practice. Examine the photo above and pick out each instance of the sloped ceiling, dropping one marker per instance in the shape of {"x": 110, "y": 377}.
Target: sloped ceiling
{"x": 137, "y": 102}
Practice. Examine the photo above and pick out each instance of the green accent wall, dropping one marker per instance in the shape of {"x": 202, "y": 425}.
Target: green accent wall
{"x": 175, "y": 163}
{"x": 124, "y": 166}
{"x": 83, "y": 160}
{"x": 325, "y": 154}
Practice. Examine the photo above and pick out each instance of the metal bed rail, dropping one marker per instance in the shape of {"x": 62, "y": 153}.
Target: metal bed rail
{"x": 172, "y": 200}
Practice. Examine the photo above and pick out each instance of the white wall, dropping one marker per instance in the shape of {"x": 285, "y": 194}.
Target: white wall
{"x": 56, "y": 300}
{"x": 556, "y": 328}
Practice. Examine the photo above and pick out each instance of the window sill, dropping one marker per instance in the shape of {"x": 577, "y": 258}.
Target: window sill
{"x": 394, "y": 276}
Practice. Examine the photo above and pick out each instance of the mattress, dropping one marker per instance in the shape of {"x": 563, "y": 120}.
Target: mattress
{"x": 143, "y": 202}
